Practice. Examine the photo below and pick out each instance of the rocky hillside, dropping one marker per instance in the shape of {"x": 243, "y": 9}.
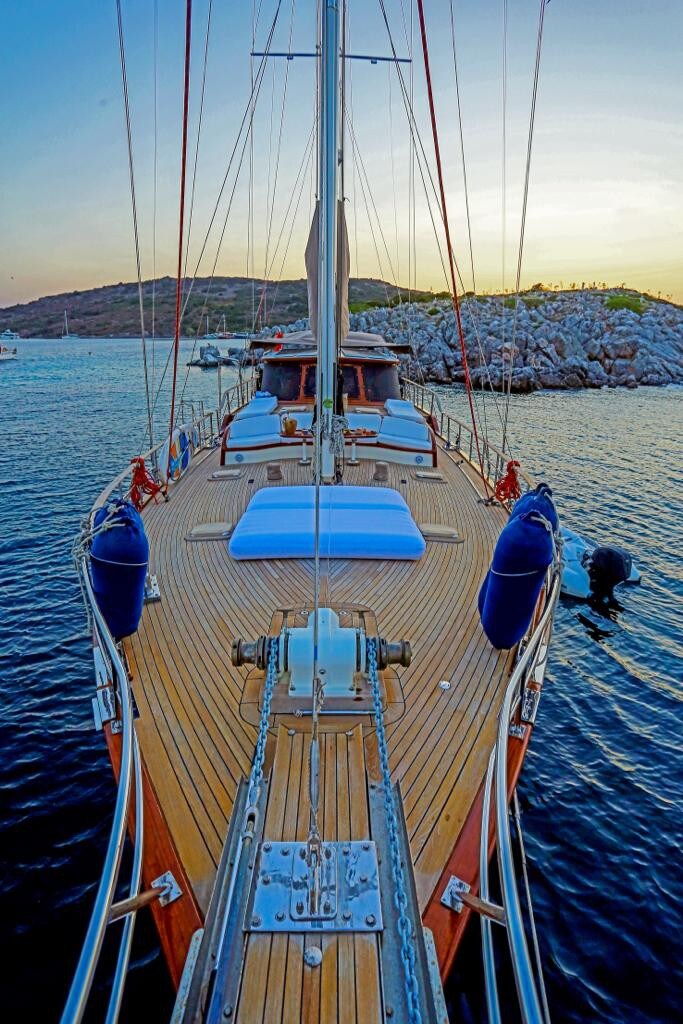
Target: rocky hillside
{"x": 113, "y": 312}
{"x": 574, "y": 339}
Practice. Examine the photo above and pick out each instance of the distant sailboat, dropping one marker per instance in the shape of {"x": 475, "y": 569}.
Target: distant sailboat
{"x": 66, "y": 335}
{"x": 209, "y": 335}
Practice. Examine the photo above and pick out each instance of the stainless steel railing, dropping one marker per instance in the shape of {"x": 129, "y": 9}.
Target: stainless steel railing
{"x": 525, "y": 979}
{"x": 207, "y": 425}
{"x": 130, "y": 775}
{"x": 235, "y": 397}
{"x": 459, "y": 436}
{"x": 129, "y": 771}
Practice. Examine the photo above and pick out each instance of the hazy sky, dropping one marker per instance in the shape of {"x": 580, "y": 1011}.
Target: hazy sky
{"x": 606, "y": 195}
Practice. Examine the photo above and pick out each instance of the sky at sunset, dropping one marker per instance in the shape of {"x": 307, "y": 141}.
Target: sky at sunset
{"x": 606, "y": 190}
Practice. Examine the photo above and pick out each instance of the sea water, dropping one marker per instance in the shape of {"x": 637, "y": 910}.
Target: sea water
{"x": 602, "y": 787}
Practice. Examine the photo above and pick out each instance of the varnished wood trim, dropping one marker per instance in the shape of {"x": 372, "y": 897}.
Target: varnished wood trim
{"x": 178, "y": 921}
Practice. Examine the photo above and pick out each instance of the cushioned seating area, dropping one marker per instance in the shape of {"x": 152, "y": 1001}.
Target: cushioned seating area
{"x": 304, "y": 420}
{"x": 405, "y": 433}
{"x": 261, "y": 405}
{"x": 355, "y": 522}
{"x": 254, "y": 430}
{"x": 405, "y": 410}
{"x": 364, "y": 420}
{"x": 337, "y": 496}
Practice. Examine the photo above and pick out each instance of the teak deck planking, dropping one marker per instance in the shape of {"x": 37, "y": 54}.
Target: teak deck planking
{"x": 196, "y": 743}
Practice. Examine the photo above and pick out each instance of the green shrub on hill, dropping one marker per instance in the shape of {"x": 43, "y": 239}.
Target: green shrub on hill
{"x": 633, "y": 302}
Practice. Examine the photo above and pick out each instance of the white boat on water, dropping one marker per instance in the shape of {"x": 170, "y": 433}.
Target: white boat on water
{"x": 337, "y": 627}
{"x": 66, "y": 335}
{"x": 9, "y": 335}
{"x": 7, "y": 353}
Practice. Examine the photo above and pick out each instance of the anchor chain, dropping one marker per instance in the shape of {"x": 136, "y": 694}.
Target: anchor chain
{"x": 256, "y": 776}
{"x": 400, "y": 893}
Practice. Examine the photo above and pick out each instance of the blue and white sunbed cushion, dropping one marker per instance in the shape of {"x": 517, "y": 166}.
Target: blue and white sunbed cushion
{"x": 340, "y": 496}
{"x": 260, "y": 406}
{"x": 364, "y": 420}
{"x": 254, "y": 430}
{"x": 355, "y": 522}
{"x": 405, "y": 434}
{"x": 405, "y": 410}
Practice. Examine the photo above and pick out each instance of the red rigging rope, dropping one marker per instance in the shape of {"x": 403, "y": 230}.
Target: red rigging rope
{"x": 179, "y": 281}
{"x": 507, "y": 488}
{"x": 449, "y": 247}
{"x": 142, "y": 484}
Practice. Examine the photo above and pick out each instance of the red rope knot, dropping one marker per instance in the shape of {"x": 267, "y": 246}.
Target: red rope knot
{"x": 142, "y": 483}
{"x": 507, "y": 488}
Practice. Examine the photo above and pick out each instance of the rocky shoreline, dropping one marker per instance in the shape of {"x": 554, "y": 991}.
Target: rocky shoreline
{"x": 573, "y": 339}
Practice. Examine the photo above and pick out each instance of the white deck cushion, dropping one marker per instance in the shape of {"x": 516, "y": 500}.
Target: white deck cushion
{"x": 355, "y": 522}
{"x": 254, "y": 430}
{"x": 261, "y": 406}
{"x": 405, "y": 433}
{"x": 364, "y": 420}
{"x": 405, "y": 410}
{"x": 340, "y": 496}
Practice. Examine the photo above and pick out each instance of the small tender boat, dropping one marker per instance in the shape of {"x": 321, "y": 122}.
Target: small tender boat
{"x": 7, "y": 353}
{"x": 589, "y": 569}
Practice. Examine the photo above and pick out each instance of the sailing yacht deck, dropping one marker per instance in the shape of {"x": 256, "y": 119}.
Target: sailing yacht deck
{"x": 195, "y": 728}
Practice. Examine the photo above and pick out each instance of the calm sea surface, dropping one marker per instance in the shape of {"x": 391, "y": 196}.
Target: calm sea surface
{"x": 602, "y": 789}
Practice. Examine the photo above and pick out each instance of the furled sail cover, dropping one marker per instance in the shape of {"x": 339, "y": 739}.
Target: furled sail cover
{"x": 343, "y": 269}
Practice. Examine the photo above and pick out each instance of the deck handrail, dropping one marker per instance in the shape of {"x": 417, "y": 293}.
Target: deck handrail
{"x": 129, "y": 765}
{"x": 235, "y": 396}
{"x": 117, "y": 484}
{"x": 130, "y": 774}
{"x": 525, "y": 981}
{"x": 451, "y": 430}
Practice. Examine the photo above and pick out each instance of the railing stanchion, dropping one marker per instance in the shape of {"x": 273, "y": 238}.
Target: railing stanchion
{"x": 524, "y": 976}
{"x": 87, "y": 962}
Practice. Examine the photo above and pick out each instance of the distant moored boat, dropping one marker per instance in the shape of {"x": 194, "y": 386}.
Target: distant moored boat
{"x": 66, "y": 333}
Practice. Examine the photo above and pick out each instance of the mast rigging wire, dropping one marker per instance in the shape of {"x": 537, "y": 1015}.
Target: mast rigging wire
{"x": 482, "y": 358}
{"x": 277, "y": 156}
{"x": 199, "y": 133}
{"x": 253, "y": 97}
{"x": 426, "y": 174}
{"x": 462, "y": 145}
{"x": 449, "y": 248}
{"x": 183, "y": 168}
{"x": 154, "y": 195}
{"x": 527, "y": 175}
{"x": 131, "y": 175}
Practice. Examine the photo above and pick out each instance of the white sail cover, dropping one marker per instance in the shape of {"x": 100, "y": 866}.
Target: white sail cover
{"x": 343, "y": 269}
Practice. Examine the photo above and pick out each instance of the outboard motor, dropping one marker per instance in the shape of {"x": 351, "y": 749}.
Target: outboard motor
{"x": 608, "y": 567}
